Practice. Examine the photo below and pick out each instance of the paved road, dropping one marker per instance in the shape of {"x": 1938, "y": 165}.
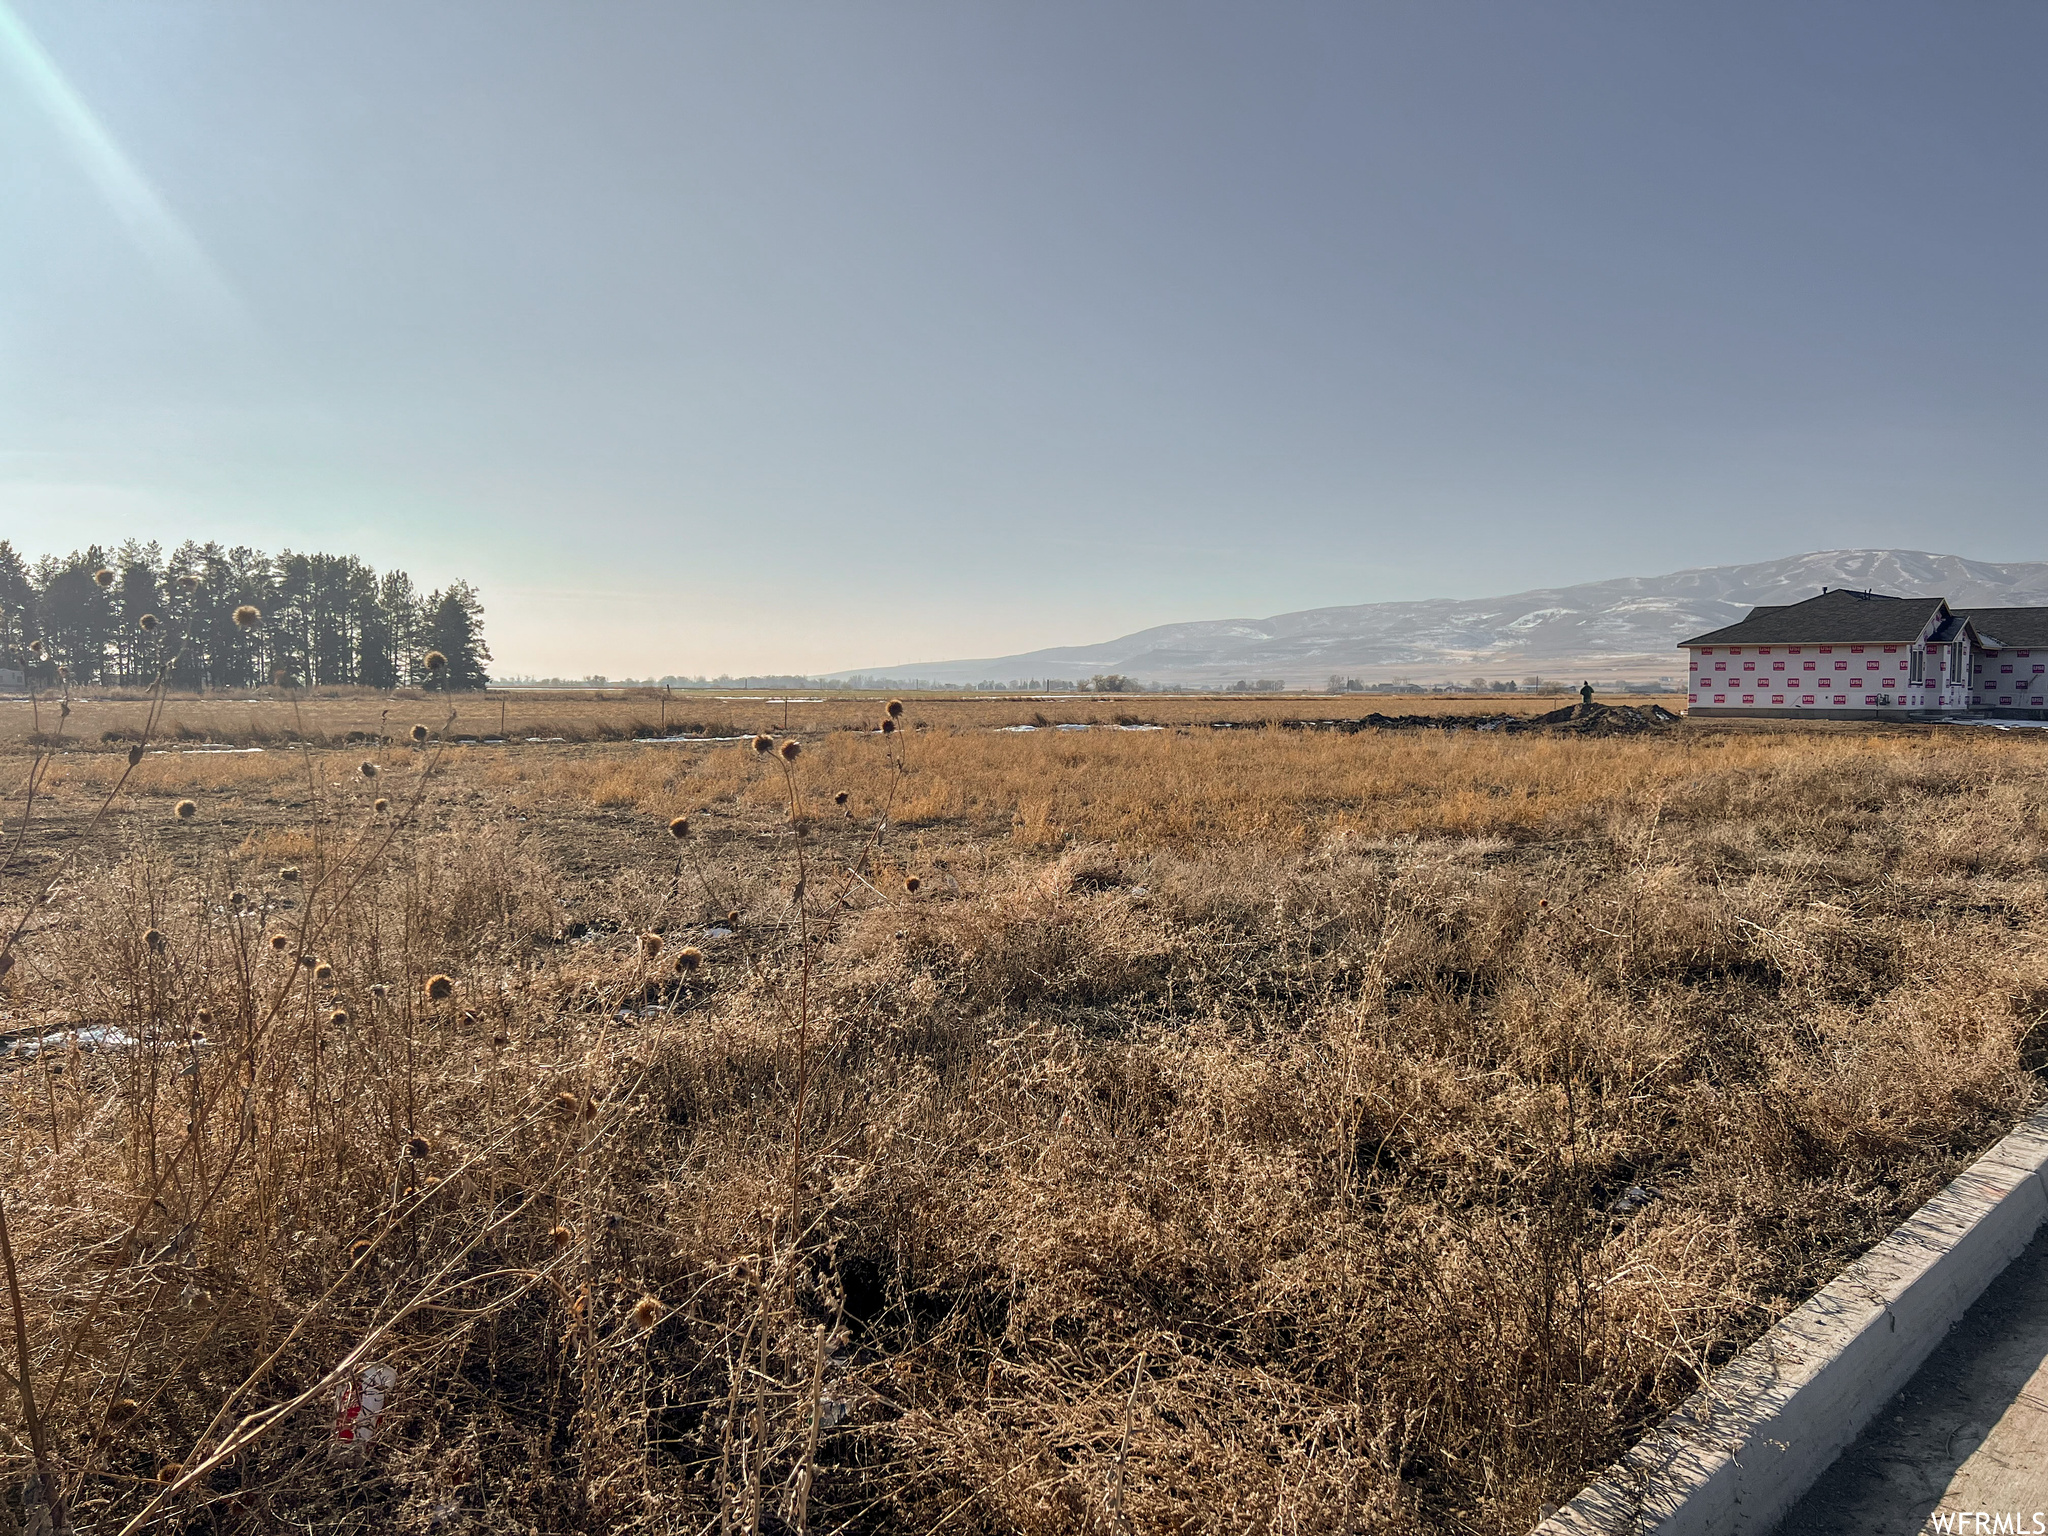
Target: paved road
{"x": 1968, "y": 1436}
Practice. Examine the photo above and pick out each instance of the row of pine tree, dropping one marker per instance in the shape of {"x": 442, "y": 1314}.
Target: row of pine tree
{"x": 327, "y": 619}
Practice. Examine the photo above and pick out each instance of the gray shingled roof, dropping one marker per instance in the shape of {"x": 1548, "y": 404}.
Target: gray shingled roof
{"x": 2000, "y": 627}
{"x": 1841, "y": 615}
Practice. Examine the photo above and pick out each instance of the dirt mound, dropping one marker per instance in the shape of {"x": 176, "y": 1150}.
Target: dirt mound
{"x": 1602, "y": 719}
{"x": 1579, "y": 720}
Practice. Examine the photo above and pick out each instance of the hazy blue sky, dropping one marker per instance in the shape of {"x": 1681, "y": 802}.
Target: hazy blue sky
{"x": 750, "y": 336}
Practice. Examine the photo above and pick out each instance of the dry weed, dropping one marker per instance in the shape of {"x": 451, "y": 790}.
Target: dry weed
{"x": 1100, "y": 1131}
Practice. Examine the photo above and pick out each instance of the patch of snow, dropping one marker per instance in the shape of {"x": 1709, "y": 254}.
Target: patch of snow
{"x": 1538, "y": 617}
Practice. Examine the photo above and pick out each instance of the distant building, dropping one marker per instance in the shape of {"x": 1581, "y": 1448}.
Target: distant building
{"x": 1866, "y": 655}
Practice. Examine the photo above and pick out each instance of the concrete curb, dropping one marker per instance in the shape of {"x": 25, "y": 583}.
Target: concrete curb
{"x": 1739, "y": 1453}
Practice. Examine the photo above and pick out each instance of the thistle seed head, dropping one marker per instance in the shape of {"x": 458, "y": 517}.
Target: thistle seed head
{"x": 146, "y": 623}
{"x": 247, "y": 616}
{"x": 367, "y": 769}
{"x": 911, "y": 883}
{"x": 764, "y": 743}
{"x": 650, "y": 945}
{"x": 339, "y": 1018}
{"x": 155, "y": 939}
{"x": 888, "y": 726}
{"x": 436, "y": 662}
{"x": 103, "y": 578}
{"x": 440, "y": 988}
{"x": 185, "y": 810}
{"x": 280, "y": 942}
{"x": 418, "y": 1146}
{"x": 323, "y": 972}
{"x": 560, "y": 1238}
{"x": 840, "y": 798}
{"x": 895, "y": 709}
{"x": 679, "y": 828}
{"x": 647, "y": 1311}
{"x": 689, "y": 959}
{"x": 789, "y": 750}
{"x": 419, "y": 734}
{"x": 380, "y": 805}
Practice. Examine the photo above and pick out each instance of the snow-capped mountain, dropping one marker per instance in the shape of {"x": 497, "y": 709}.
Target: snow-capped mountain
{"x": 1625, "y": 628}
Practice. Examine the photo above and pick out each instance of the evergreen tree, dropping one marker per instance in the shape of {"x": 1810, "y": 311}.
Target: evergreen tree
{"x": 78, "y": 614}
{"x": 376, "y": 642}
{"x": 456, "y": 631}
{"x": 137, "y": 654}
{"x": 327, "y": 619}
{"x": 18, "y": 619}
{"x": 399, "y": 603}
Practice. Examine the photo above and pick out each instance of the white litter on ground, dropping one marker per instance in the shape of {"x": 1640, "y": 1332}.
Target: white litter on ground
{"x": 360, "y": 1406}
{"x": 87, "y": 1037}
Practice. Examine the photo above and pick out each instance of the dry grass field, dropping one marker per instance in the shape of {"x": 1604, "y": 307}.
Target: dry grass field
{"x": 960, "y": 1129}
{"x": 338, "y": 716}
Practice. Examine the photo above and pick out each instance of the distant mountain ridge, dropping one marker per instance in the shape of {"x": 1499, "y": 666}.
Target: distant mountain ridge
{"x": 1626, "y": 628}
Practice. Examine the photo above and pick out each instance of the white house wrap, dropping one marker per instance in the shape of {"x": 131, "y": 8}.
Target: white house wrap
{"x": 1862, "y": 655}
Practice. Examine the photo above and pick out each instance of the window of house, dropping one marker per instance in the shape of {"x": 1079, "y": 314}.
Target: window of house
{"x": 1918, "y": 668}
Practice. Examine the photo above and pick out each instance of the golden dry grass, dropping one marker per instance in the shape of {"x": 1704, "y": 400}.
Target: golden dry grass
{"x": 1232, "y": 1131}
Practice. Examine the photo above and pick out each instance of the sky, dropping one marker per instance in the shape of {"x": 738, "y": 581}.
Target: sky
{"x": 805, "y": 336}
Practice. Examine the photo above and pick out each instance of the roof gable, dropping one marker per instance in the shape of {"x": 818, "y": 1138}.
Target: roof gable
{"x": 2001, "y": 627}
{"x": 1840, "y": 615}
